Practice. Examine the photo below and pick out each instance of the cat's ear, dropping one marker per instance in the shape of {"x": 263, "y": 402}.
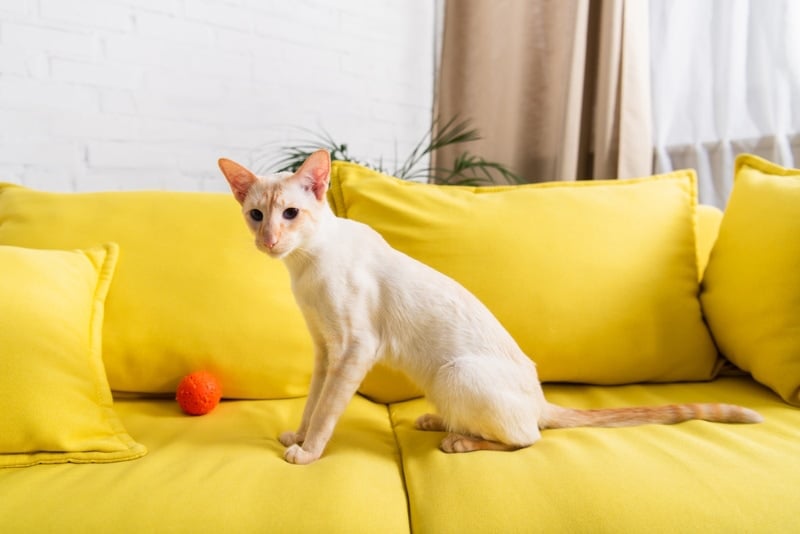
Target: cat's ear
{"x": 239, "y": 178}
{"x": 315, "y": 173}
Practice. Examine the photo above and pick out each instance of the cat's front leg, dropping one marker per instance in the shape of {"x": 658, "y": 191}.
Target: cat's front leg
{"x": 340, "y": 384}
{"x": 290, "y": 438}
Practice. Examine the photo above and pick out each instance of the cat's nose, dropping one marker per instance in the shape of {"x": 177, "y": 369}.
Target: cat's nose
{"x": 270, "y": 237}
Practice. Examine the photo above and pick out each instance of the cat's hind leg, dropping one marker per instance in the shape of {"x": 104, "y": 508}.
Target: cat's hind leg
{"x": 455, "y": 442}
{"x": 431, "y": 422}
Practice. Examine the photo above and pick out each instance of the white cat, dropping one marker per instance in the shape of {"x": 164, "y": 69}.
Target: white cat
{"x": 364, "y": 301}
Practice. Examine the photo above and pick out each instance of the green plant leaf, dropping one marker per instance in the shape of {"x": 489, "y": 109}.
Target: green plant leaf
{"x": 467, "y": 169}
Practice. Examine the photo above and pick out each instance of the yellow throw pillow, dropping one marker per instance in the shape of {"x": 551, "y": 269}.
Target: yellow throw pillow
{"x": 191, "y": 291}
{"x": 597, "y": 281}
{"x": 55, "y": 404}
{"x": 751, "y": 288}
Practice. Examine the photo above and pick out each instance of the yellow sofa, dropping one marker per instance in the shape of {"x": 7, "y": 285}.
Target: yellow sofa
{"x": 620, "y": 291}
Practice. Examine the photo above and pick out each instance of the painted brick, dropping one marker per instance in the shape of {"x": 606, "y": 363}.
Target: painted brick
{"x": 244, "y": 43}
{"x": 183, "y": 85}
{"x": 123, "y": 155}
{"x": 63, "y": 42}
{"x": 218, "y": 14}
{"x": 40, "y": 150}
{"x": 178, "y": 131}
{"x": 23, "y": 93}
{"x": 19, "y": 7}
{"x": 124, "y": 179}
{"x": 172, "y": 7}
{"x": 124, "y": 48}
{"x": 37, "y": 65}
{"x": 115, "y": 101}
{"x": 57, "y": 179}
{"x": 96, "y": 74}
{"x": 12, "y": 173}
{"x": 198, "y": 159}
{"x": 26, "y": 123}
{"x": 173, "y": 28}
{"x": 13, "y": 61}
{"x": 96, "y": 126}
{"x": 222, "y": 65}
{"x": 87, "y": 13}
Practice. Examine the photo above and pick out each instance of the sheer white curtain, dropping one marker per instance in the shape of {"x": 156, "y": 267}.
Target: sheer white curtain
{"x": 725, "y": 79}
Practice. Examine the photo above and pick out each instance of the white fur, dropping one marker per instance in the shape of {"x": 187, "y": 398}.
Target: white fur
{"x": 354, "y": 289}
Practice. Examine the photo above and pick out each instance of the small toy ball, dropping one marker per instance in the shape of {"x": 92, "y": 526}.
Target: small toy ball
{"x": 198, "y": 393}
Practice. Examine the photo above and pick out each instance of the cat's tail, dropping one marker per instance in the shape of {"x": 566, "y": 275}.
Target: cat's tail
{"x": 559, "y": 417}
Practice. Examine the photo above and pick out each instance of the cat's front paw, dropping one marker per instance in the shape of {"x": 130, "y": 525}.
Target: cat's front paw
{"x": 295, "y": 454}
{"x": 290, "y": 438}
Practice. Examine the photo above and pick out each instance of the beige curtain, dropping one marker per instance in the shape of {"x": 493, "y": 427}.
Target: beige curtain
{"x": 559, "y": 89}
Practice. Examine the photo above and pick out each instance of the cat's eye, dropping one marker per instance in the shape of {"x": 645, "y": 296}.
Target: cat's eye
{"x": 256, "y": 215}
{"x": 290, "y": 213}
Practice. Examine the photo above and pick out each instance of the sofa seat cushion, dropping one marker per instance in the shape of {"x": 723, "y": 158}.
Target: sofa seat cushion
{"x": 691, "y": 477}
{"x": 222, "y": 472}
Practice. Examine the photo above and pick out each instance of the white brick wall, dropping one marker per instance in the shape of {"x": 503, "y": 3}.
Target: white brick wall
{"x": 133, "y": 94}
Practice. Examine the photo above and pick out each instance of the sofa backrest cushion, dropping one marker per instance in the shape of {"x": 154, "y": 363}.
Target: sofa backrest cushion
{"x": 751, "y": 288}
{"x": 191, "y": 292}
{"x": 597, "y": 281}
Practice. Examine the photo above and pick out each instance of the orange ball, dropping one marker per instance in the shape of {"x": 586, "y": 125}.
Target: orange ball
{"x": 198, "y": 393}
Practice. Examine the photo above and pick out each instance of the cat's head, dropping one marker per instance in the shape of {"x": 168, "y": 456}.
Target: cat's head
{"x": 282, "y": 210}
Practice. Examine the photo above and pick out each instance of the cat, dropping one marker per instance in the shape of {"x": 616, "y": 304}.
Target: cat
{"x": 364, "y": 302}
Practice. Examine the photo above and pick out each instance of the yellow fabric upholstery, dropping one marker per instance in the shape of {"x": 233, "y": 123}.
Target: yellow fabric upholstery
{"x": 691, "y": 477}
{"x": 55, "y": 404}
{"x": 708, "y": 221}
{"x": 751, "y": 288}
{"x": 191, "y": 291}
{"x": 597, "y": 281}
{"x": 222, "y": 472}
